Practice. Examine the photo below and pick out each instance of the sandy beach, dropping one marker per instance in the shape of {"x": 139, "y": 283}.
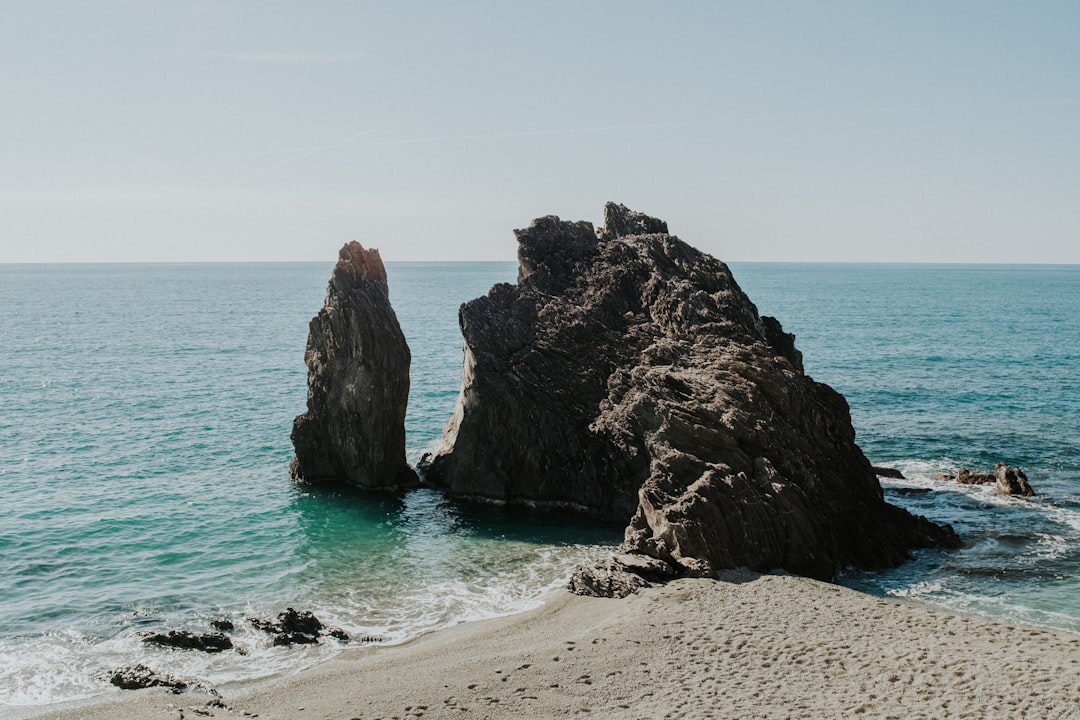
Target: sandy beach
{"x": 771, "y": 646}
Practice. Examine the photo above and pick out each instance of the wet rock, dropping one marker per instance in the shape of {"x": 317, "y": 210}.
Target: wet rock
{"x": 305, "y": 622}
{"x": 942, "y": 477}
{"x": 209, "y": 642}
{"x": 1011, "y": 481}
{"x": 222, "y": 624}
{"x": 137, "y": 677}
{"x": 295, "y": 628}
{"x": 267, "y": 626}
{"x": 626, "y": 375}
{"x": 295, "y": 638}
{"x": 358, "y": 383}
{"x": 338, "y": 634}
{"x": 967, "y": 477}
{"x": 887, "y": 472}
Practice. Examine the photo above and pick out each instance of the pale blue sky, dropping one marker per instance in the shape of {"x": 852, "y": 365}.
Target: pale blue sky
{"x": 839, "y": 131}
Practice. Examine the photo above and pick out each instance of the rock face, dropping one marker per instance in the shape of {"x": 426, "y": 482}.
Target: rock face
{"x": 967, "y": 477}
{"x": 626, "y": 375}
{"x": 358, "y": 383}
{"x": 1011, "y": 481}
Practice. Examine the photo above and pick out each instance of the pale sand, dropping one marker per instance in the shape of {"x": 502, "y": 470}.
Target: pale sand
{"x": 759, "y": 647}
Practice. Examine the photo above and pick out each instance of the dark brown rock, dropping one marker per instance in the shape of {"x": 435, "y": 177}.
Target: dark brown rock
{"x": 626, "y": 374}
{"x": 296, "y": 628}
{"x": 137, "y": 677}
{"x": 967, "y": 477}
{"x": 300, "y": 622}
{"x": 208, "y": 642}
{"x": 1012, "y": 481}
{"x": 358, "y": 383}
{"x": 887, "y": 472}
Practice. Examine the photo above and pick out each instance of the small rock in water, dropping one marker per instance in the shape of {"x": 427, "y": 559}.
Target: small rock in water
{"x": 300, "y": 622}
{"x": 296, "y": 628}
{"x": 210, "y": 642}
{"x": 1012, "y": 481}
{"x": 222, "y": 624}
{"x": 339, "y": 635}
{"x": 966, "y": 477}
{"x": 137, "y": 677}
{"x": 887, "y": 472}
{"x": 295, "y": 638}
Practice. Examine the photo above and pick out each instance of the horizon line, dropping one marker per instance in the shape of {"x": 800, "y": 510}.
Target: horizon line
{"x": 59, "y": 263}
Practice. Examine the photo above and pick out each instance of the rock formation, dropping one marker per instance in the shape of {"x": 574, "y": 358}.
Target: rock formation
{"x": 1011, "y": 481}
{"x": 626, "y": 375}
{"x": 967, "y": 477}
{"x": 1007, "y": 480}
{"x": 297, "y": 628}
{"x": 137, "y": 677}
{"x": 358, "y": 383}
{"x": 205, "y": 642}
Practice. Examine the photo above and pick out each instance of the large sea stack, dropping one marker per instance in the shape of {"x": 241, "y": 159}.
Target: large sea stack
{"x": 358, "y": 383}
{"x": 627, "y": 376}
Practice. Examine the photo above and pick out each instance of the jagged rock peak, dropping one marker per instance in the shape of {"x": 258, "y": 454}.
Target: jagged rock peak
{"x": 620, "y": 221}
{"x": 356, "y": 262}
{"x": 358, "y": 382}
{"x": 628, "y": 376}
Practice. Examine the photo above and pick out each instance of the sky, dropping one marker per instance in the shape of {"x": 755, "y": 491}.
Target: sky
{"x": 915, "y": 131}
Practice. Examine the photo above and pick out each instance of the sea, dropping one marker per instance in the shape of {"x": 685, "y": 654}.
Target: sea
{"x": 145, "y": 413}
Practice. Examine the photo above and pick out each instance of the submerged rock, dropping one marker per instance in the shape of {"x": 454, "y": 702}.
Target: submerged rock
{"x": 626, "y": 375}
{"x": 358, "y": 383}
{"x": 1011, "y": 481}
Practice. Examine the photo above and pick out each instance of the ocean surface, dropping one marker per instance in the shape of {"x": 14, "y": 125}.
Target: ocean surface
{"x": 144, "y": 447}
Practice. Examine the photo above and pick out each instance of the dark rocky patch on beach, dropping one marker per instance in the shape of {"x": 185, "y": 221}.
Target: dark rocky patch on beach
{"x": 204, "y": 642}
{"x": 137, "y": 677}
{"x": 297, "y": 628}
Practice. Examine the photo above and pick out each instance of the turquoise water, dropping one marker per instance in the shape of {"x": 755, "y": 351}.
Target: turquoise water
{"x": 144, "y": 421}
{"x": 947, "y": 367}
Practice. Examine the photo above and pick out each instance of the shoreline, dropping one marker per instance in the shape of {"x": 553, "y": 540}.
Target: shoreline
{"x": 745, "y": 646}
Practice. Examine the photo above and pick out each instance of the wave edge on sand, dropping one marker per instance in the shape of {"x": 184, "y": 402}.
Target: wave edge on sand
{"x": 746, "y": 646}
